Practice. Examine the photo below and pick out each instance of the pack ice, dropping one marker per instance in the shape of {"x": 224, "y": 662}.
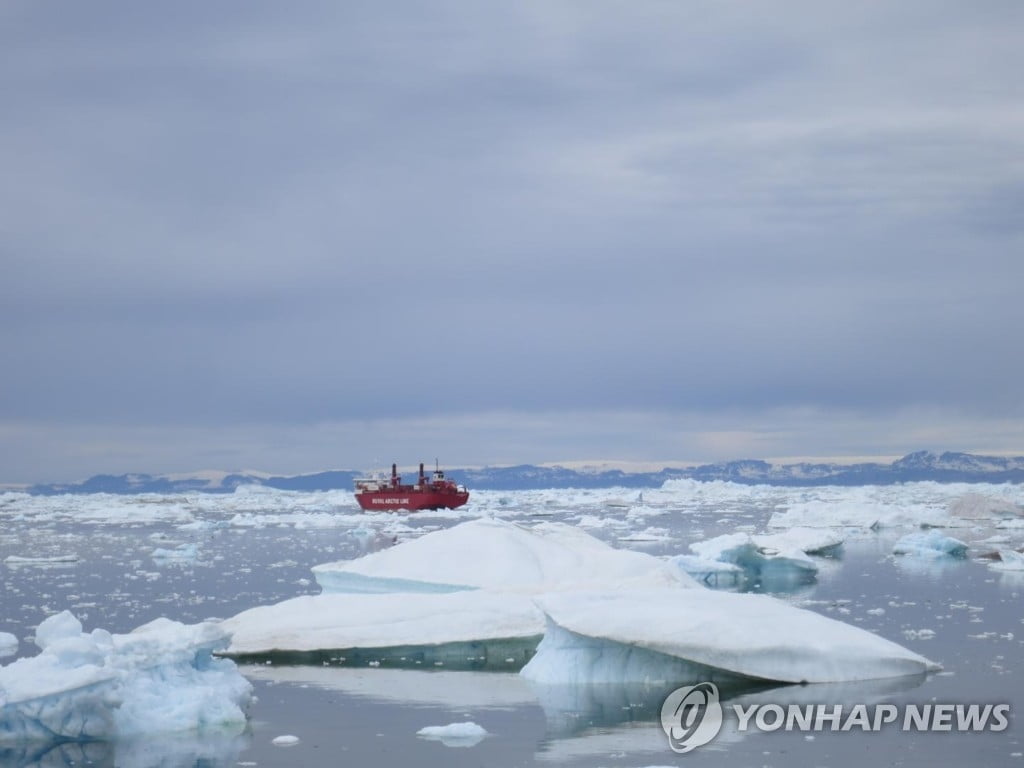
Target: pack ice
{"x": 161, "y": 677}
{"x": 606, "y": 615}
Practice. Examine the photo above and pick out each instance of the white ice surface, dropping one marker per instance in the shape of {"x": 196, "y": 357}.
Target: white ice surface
{"x": 339, "y": 621}
{"x": 645, "y": 635}
{"x": 464, "y": 734}
{"x": 494, "y": 554}
{"x": 929, "y": 544}
{"x": 159, "y": 678}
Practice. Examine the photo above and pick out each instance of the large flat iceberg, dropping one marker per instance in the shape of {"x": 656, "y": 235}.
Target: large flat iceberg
{"x": 689, "y": 635}
{"x": 162, "y": 677}
{"x": 461, "y": 596}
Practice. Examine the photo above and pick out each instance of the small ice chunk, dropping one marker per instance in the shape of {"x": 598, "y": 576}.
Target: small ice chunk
{"x": 919, "y": 634}
{"x": 465, "y": 734}
{"x": 287, "y": 740}
{"x": 8, "y": 644}
{"x": 60, "y": 626}
{"x": 181, "y": 552}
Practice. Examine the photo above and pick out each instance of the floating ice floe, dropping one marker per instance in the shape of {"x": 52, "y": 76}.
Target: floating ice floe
{"x": 459, "y": 597}
{"x": 489, "y": 553}
{"x": 180, "y": 552}
{"x": 930, "y": 544}
{"x": 465, "y": 734}
{"x": 161, "y": 677}
{"x": 41, "y": 560}
{"x": 480, "y": 595}
{"x": 699, "y": 634}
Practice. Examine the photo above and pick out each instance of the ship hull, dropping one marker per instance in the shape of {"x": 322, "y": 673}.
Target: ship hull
{"x": 394, "y": 500}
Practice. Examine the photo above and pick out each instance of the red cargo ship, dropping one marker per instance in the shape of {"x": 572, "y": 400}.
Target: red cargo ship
{"x": 435, "y": 493}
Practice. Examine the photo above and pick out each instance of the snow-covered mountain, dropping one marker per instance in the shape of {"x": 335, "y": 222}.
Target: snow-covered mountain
{"x": 922, "y": 465}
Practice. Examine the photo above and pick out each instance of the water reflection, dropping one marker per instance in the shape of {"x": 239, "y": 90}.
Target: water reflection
{"x": 183, "y": 750}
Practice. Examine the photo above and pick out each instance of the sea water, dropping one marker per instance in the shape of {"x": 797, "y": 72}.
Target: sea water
{"x": 259, "y": 549}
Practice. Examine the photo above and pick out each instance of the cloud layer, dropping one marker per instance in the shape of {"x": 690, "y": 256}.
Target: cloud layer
{"x": 252, "y": 221}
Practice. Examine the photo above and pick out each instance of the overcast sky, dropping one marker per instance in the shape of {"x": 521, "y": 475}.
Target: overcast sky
{"x": 296, "y": 236}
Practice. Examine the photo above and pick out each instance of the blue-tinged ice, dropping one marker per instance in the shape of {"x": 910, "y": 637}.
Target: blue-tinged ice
{"x": 930, "y": 544}
{"x": 162, "y": 677}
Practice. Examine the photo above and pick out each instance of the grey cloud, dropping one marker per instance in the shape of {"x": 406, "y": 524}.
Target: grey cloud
{"x": 244, "y": 214}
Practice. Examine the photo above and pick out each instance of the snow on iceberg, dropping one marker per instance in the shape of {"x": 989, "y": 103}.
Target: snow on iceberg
{"x": 823, "y": 542}
{"x": 929, "y": 544}
{"x": 698, "y": 634}
{"x": 489, "y": 553}
{"x": 161, "y": 677}
{"x": 470, "y": 629}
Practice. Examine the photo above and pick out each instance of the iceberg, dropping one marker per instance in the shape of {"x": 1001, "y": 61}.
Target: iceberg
{"x": 697, "y": 634}
{"x": 460, "y": 597}
{"x": 1009, "y": 560}
{"x": 161, "y": 677}
{"x": 930, "y": 544}
{"x": 752, "y": 561}
{"x": 490, "y": 553}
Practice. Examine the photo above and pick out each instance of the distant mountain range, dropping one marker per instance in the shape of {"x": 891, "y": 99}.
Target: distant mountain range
{"x": 922, "y": 465}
